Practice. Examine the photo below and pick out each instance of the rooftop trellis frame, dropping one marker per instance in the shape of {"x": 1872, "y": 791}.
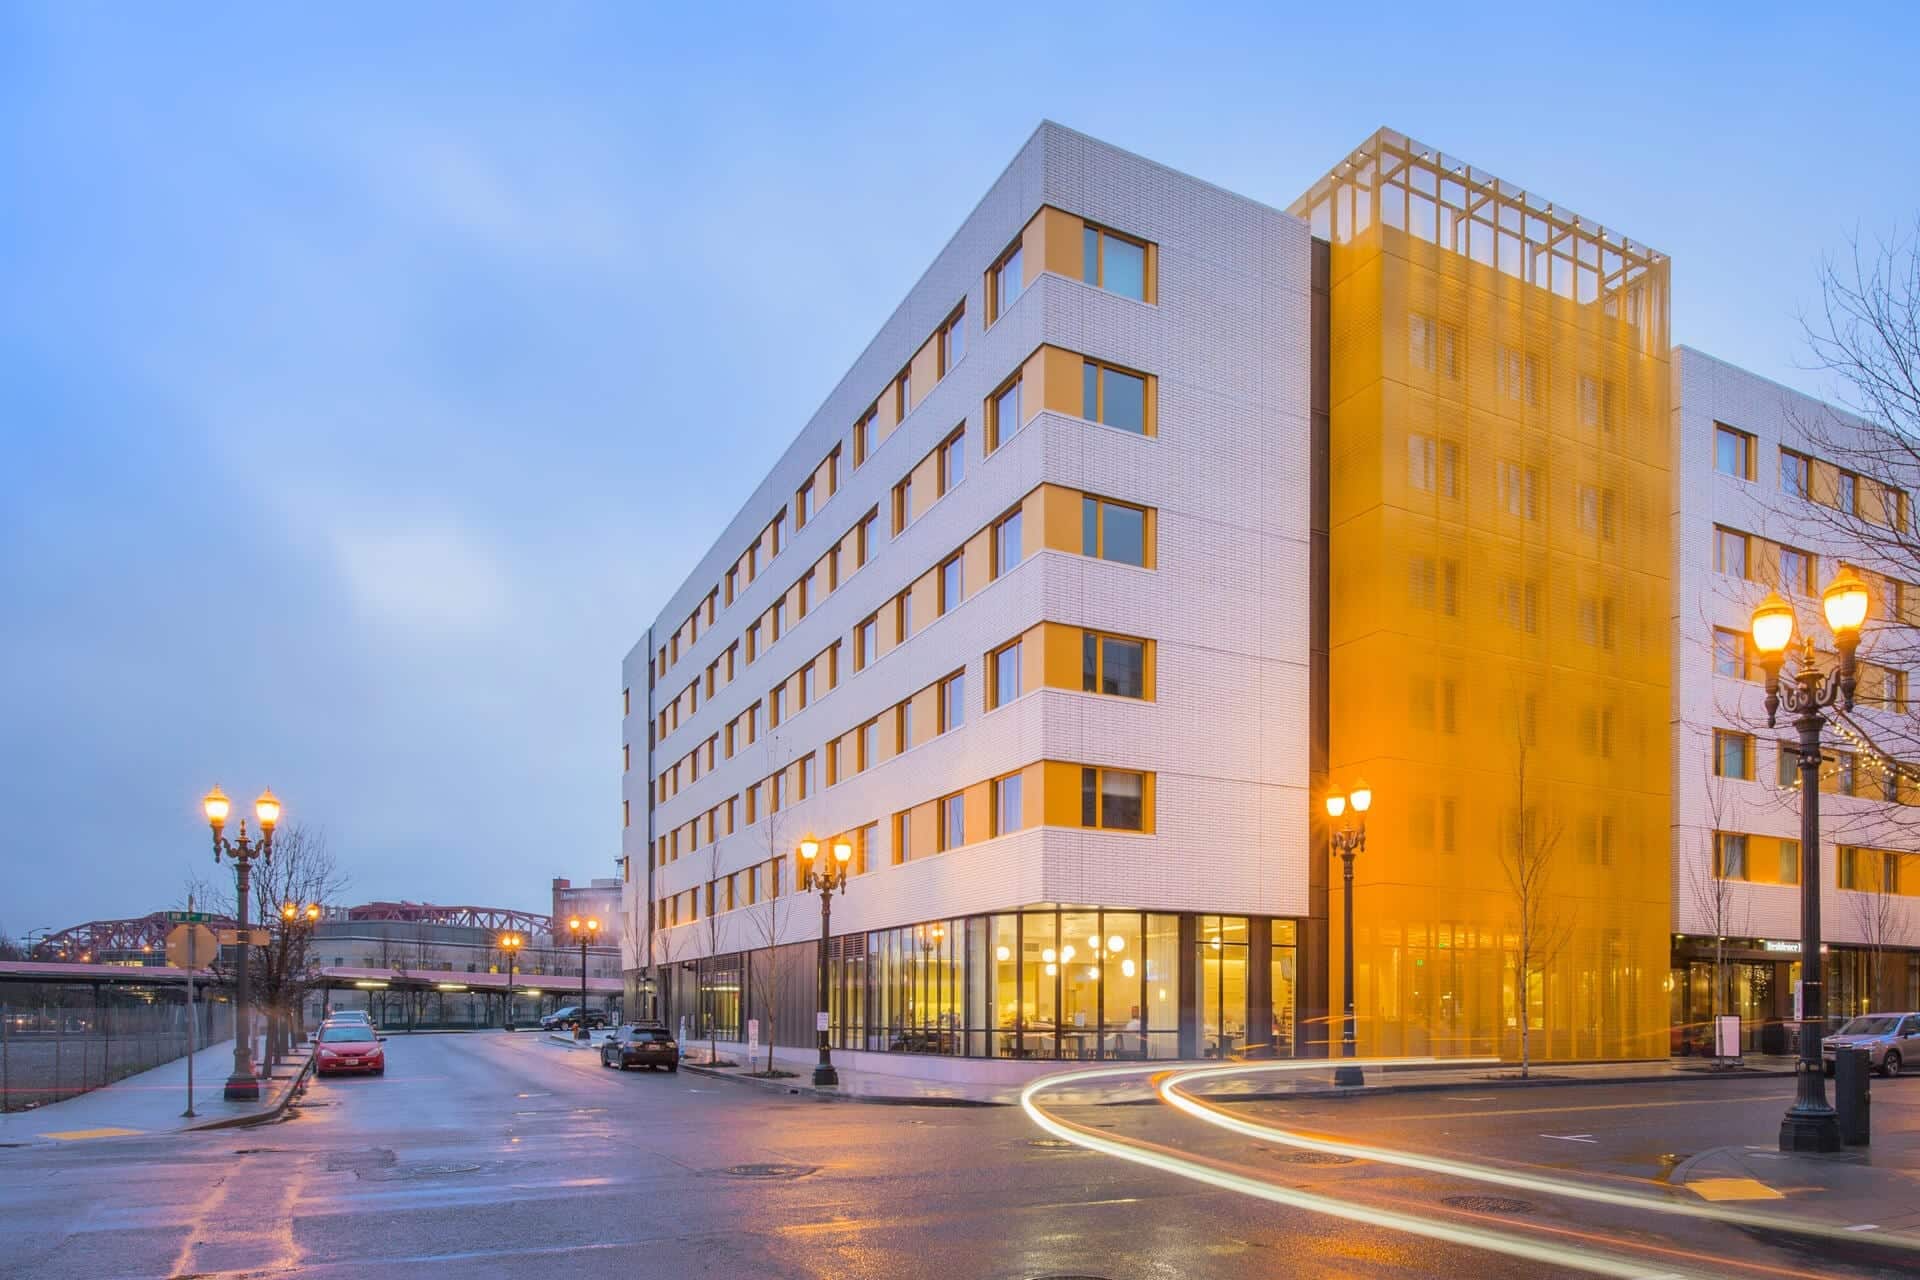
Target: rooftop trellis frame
{"x": 1395, "y": 181}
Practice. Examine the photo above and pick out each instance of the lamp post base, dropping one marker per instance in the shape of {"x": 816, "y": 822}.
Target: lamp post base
{"x": 1809, "y": 1130}
{"x": 825, "y": 1077}
{"x": 1348, "y": 1077}
{"x": 247, "y": 1089}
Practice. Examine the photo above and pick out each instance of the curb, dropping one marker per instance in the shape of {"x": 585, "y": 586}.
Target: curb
{"x": 802, "y": 1089}
{"x": 295, "y": 1088}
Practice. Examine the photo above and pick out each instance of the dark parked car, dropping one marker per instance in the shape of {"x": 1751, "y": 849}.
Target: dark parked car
{"x": 560, "y": 1019}
{"x": 641, "y": 1045}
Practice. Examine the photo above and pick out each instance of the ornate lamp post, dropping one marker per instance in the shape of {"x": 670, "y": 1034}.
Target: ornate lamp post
{"x": 1347, "y": 840}
{"x": 242, "y": 1085}
{"x": 584, "y": 933}
{"x": 511, "y": 944}
{"x": 1810, "y": 1123}
{"x": 824, "y": 877}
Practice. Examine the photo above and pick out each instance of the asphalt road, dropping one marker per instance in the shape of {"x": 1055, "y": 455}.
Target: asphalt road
{"x": 489, "y": 1155}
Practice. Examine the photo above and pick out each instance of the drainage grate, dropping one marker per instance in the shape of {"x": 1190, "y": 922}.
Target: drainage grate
{"x": 766, "y": 1170}
{"x": 1294, "y": 1155}
{"x": 1487, "y": 1204}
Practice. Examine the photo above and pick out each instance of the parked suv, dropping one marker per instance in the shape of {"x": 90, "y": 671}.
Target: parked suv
{"x": 1891, "y": 1040}
{"x": 561, "y": 1018}
{"x": 641, "y": 1045}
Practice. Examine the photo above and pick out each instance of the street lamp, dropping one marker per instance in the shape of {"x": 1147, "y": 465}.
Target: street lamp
{"x": 584, "y": 933}
{"x": 242, "y": 1085}
{"x": 1347, "y": 840}
{"x": 825, "y": 877}
{"x": 1810, "y": 1123}
{"x": 511, "y": 944}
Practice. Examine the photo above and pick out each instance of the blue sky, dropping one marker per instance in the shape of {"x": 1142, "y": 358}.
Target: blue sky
{"x": 369, "y": 375}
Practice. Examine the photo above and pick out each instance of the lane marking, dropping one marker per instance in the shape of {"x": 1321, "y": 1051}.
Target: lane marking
{"x": 81, "y": 1135}
{"x": 1717, "y": 1189}
{"x": 1571, "y": 1137}
{"x": 1865, "y": 1226}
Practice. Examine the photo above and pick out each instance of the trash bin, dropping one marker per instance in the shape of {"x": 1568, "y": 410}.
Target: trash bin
{"x": 1851, "y": 1096}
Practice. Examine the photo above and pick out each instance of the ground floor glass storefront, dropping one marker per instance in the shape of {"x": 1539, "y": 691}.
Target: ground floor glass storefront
{"x": 1061, "y": 984}
{"x": 1755, "y": 979}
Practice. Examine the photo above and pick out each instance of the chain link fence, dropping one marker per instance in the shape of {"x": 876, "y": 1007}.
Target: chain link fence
{"x": 49, "y": 1052}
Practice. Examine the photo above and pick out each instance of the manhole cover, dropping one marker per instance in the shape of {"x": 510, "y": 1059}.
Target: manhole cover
{"x": 426, "y": 1171}
{"x": 766, "y": 1170}
{"x": 1294, "y": 1155}
{"x": 1487, "y": 1204}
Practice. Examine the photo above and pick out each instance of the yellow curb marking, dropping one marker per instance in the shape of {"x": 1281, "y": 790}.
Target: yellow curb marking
{"x": 74, "y": 1135}
{"x": 1732, "y": 1189}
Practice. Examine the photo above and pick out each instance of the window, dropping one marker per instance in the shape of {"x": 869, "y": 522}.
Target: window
{"x": 953, "y": 460}
{"x": 866, "y": 643}
{"x": 1787, "y": 765}
{"x": 1796, "y": 572}
{"x": 1596, "y": 402}
{"x": 1729, "y": 855}
{"x": 1114, "y": 262}
{"x": 1729, "y": 552}
{"x": 1114, "y": 397}
{"x": 865, "y": 437}
{"x": 1433, "y": 466}
{"x": 1849, "y": 866}
{"x": 953, "y": 341}
{"x": 1433, "y": 585}
{"x": 1731, "y": 656}
{"x": 1004, "y": 283}
{"x": 1796, "y": 472}
{"x": 779, "y": 617}
{"x": 1006, "y": 543}
{"x": 1520, "y": 605}
{"x": 865, "y": 537}
{"x": 903, "y": 393}
{"x": 1847, "y": 493}
{"x": 903, "y": 613}
{"x": 1112, "y": 800}
{"x": 1520, "y": 376}
{"x": 777, "y": 705}
{"x": 1732, "y": 754}
{"x": 1517, "y": 489}
{"x": 1003, "y": 414}
{"x": 806, "y": 685}
{"x": 903, "y": 724}
{"x": 1789, "y": 862}
{"x": 903, "y": 503}
{"x": 1113, "y": 665}
{"x": 1006, "y": 674}
{"x": 1732, "y": 452}
{"x": 1596, "y": 622}
{"x": 1113, "y": 531}
{"x": 869, "y": 745}
{"x": 952, "y": 583}
{"x": 779, "y": 533}
{"x": 809, "y": 775}
{"x": 902, "y": 837}
{"x": 779, "y": 791}
{"x": 1596, "y": 512}
{"x": 953, "y": 701}
{"x": 803, "y": 505}
{"x": 953, "y": 821}
{"x": 833, "y": 761}
{"x": 1007, "y": 813}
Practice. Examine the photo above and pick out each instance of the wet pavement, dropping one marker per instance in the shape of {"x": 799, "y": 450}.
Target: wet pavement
{"x": 490, "y": 1154}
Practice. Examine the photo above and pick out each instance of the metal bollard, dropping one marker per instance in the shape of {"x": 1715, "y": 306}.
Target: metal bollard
{"x": 1852, "y": 1100}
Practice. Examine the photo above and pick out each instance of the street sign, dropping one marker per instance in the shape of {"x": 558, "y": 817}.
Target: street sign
{"x": 245, "y": 937}
{"x": 191, "y": 946}
{"x": 188, "y": 917}
{"x": 822, "y": 1020}
{"x": 753, "y": 1037}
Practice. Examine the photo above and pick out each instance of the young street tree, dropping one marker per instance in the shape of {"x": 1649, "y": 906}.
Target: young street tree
{"x": 1528, "y": 855}
{"x": 1716, "y": 889}
{"x": 771, "y": 921}
{"x": 1877, "y": 912}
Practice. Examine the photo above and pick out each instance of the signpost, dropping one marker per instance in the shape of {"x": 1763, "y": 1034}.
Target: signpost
{"x": 187, "y": 941}
{"x": 753, "y": 1039}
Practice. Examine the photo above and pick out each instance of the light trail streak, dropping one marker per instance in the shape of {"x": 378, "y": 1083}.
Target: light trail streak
{"x": 1171, "y": 1090}
{"x": 1590, "y": 1260}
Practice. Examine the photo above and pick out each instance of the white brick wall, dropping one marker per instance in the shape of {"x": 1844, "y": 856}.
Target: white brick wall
{"x": 1227, "y": 604}
{"x": 1707, "y": 390}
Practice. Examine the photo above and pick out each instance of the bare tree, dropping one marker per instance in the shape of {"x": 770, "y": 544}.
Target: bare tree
{"x": 1876, "y": 911}
{"x": 710, "y": 928}
{"x": 1722, "y": 906}
{"x": 1528, "y": 856}
{"x": 771, "y": 923}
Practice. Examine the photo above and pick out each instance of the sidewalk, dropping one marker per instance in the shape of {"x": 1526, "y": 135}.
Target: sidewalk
{"x": 1871, "y": 1190}
{"x": 152, "y": 1102}
{"x": 871, "y": 1086}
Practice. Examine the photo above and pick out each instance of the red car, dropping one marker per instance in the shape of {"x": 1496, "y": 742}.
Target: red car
{"x": 344, "y": 1048}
